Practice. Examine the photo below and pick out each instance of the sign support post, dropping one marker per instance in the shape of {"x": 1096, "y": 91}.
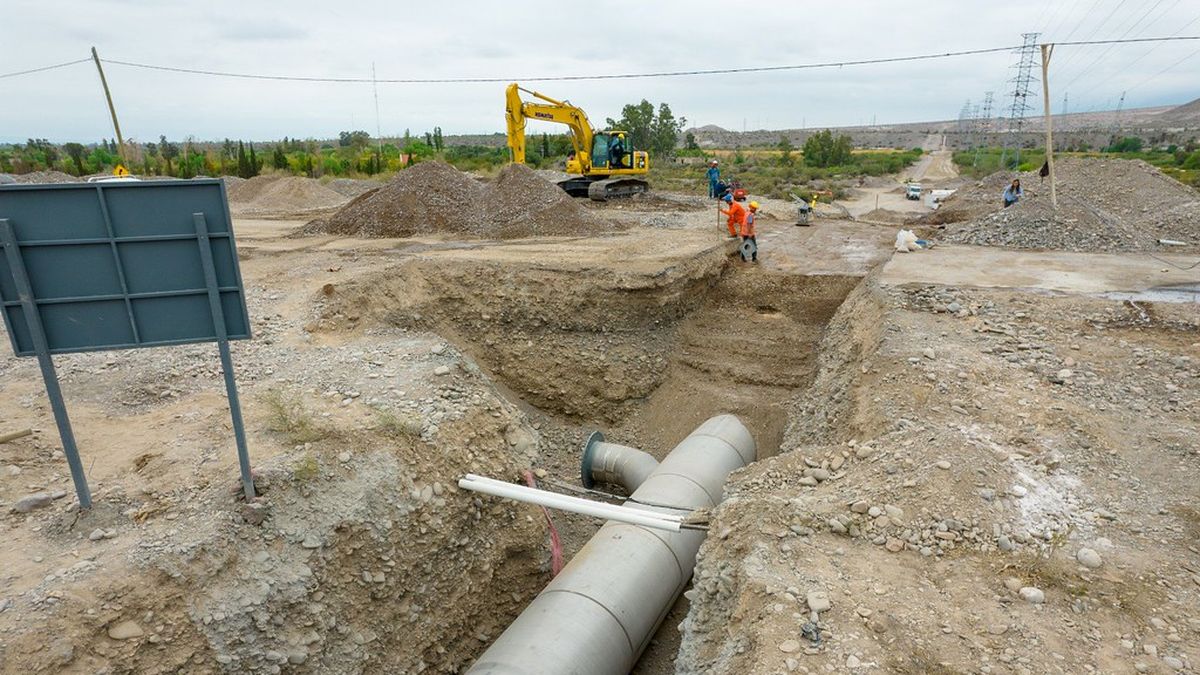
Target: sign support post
{"x": 218, "y": 315}
{"x": 37, "y": 334}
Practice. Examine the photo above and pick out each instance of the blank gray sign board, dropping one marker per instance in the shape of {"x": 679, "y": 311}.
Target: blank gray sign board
{"x": 117, "y": 265}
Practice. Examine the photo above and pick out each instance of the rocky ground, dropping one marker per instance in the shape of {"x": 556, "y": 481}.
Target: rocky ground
{"x": 357, "y": 541}
{"x": 978, "y": 481}
{"x": 1103, "y": 205}
{"x": 951, "y": 479}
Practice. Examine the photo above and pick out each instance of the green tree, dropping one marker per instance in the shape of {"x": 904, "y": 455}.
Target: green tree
{"x": 279, "y": 158}
{"x": 785, "y": 151}
{"x": 168, "y": 151}
{"x": 253, "y": 161}
{"x": 822, "y": 149}
{"x": 1126, "y": 144}
{"x": 648, "y": 129}
{"x": 637, "y": 121}
{"x": 664, "y": 131}
{"x": 354, "y": 139}
{"x": 75, "y": 152}
{"x": 689, "y": 142}
{"x": 437, "y": 139}
{"x": 1193, "y": 161}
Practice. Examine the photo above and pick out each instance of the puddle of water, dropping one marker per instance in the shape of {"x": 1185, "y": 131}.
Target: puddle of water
{"x": 1183, "y": 293}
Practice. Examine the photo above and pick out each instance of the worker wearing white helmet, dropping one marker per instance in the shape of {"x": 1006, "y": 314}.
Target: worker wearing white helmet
{"x": 714, "y": 177}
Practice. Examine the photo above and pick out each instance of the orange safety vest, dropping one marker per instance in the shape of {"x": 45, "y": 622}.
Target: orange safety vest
{"x": 736, "y": 213}
{"x": 748, "y": 225}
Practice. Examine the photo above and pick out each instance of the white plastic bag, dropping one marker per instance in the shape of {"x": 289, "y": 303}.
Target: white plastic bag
{"x": 906, "y": 241}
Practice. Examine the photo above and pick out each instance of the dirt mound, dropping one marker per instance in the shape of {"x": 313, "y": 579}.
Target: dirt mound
{"x": 520, "y": 203}
{"x": 436, "y": 197}
{"x": 46, "y": 177}
{"x": 351, "y": 187}
{"x": 1103, "y": 205}
{"x": 884, "y": 216}
{"x": 277, "y": 196}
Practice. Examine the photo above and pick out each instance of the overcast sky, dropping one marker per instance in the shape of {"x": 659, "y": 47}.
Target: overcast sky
{"x": 513, "y": 40}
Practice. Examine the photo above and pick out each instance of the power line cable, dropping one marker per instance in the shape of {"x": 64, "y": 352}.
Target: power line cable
{"x": 43, "y": 68}
{"x": 1062, "y": 22}
{"x": 1164, "y": 70}
{"x": 1080, "y": 23}
{"x": 1095, "y": 30}
{"x": 676, "y": 73}
{"x": 1144, "y": 55}
{"x": 1109, "y": 48}
{"x": 621, "y": 76}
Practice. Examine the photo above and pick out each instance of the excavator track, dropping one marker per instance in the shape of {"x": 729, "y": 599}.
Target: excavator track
{"x": 611, "y": 188}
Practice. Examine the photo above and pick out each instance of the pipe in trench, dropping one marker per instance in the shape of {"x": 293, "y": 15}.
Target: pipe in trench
{"x": 597, "y": 616}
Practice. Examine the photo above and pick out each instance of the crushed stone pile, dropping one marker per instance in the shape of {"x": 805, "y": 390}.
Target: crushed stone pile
{"x": 230, "y": 182}
{"x": 276, "y": 196}
{"x": 884, "y": 216}
{"x": 436, "y": 197}
{"x": 1103, "y": 205}
{"x": 46, "y": 177}
{"x": 352, "y": 187}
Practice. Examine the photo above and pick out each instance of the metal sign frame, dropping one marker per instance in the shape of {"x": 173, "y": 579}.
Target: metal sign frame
{"x": 120, "y": 265}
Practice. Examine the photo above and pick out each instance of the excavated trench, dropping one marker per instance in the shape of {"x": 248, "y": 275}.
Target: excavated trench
{"x": 643, "y": 355}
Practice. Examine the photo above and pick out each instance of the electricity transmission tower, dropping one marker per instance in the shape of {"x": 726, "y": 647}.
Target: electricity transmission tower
{"x": 984, "y": 123}
{"x": 1116, "y": 123}
{"x": 1022, "y": 87}
{"x": 964, "y": 117}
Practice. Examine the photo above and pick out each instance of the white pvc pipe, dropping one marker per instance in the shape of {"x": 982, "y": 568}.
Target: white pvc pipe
{"x": 521, "y": 493}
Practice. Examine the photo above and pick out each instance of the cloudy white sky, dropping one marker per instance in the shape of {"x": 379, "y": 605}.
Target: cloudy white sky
{"x": 512, "y": 40}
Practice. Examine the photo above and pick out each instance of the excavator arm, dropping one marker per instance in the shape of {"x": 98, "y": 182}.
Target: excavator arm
{"x": 548, "y": 110}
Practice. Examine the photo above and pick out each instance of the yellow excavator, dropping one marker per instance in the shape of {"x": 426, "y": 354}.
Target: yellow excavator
{"x": 604, "y": 163}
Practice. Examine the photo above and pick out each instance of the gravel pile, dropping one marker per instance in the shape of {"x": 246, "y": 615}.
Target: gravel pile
{"x": 520, "y": 203}
{"x": 231, "y": 182}
{"x": 45, "y": 177}
{"x": 352, "y": 187}
{"x": 436, "y": 197}
{"x": 279, "y": 196}
{"x": 1104, "y": 205}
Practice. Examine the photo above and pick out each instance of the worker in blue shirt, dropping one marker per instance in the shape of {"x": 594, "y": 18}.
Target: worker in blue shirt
{"x": 1013, "y": 193}
{"x": 714, "y": 177}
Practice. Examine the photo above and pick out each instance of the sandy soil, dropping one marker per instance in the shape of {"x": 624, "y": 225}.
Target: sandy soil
{"x": 383, "y": 369}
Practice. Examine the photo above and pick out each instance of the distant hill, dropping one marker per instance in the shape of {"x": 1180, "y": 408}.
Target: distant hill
{"x": 1187, "y": 114}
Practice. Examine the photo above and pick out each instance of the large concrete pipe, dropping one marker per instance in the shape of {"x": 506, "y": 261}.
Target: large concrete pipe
{"x": 597, "y": 616}
{"x": 622, "y": 465}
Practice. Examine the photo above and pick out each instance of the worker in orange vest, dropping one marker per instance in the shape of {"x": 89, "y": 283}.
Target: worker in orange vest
{"x": 749, "y": 234}
{"x": 736, "y": 213}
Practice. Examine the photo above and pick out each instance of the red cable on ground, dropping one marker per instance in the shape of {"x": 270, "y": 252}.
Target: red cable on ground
{"x": 556, "y": 550}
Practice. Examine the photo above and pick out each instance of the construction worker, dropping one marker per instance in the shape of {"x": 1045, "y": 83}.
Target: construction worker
{"x": 1013, "y": 193}
{"x": 749, "y": 234}
{"x": 616, "y": 150}
{"x": 736, "y": 213}
{"x": 714, "y": 178}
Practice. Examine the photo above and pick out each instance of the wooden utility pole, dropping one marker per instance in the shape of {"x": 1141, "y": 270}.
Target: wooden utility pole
{"x": 112, "y": 110}
{"x": 1047, "y": 52}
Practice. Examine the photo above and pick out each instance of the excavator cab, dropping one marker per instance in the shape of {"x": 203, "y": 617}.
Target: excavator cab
{"x": 611, "y": 150}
